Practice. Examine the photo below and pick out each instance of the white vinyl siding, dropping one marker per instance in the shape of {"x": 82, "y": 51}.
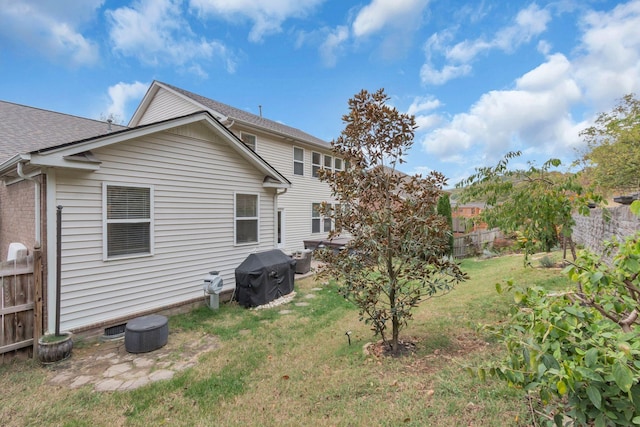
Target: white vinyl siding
{"x": 298, "y": 161}
{"x": 128, "y": 220}
{"x": 194, "y": 175}
{"x": 247, "y": 221}
{"x": 167, "y": 105}
{"x": 304, "y": 190}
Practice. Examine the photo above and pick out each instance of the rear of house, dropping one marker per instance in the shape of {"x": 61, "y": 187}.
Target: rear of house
{"x": 147, "y": 212}
{"x": 190, "y": 186}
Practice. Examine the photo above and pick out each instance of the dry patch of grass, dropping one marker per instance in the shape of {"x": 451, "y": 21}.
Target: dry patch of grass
{"x": 277, "y": 369}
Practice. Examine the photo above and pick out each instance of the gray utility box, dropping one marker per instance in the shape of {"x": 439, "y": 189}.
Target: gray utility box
{"x": 212, "y": 287}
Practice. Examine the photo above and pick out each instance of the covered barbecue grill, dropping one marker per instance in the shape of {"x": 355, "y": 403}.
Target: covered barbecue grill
{"x": 263, "y": 277}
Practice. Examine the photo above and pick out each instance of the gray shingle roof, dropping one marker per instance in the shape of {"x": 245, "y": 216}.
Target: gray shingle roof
{"x": 26, "y": 129}
{"x": 251, "y": 119}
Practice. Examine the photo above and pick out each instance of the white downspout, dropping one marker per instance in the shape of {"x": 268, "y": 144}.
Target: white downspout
{"x": 38, "y": 231}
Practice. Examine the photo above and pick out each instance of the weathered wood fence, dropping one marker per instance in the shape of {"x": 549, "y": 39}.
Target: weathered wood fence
{"x": 21, "y": 302}
{"x": 472, "y": 244}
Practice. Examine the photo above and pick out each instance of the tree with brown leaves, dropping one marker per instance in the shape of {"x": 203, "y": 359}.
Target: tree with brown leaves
{"x": 394, "y": 260}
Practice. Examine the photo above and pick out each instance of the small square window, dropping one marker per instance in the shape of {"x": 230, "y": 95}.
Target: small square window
{"x": 249, "y": 140}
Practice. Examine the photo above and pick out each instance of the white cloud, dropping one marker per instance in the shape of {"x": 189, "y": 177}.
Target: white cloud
{"x": 529, "y": 23}
{"x": 421, "y": 109}
{"x": 538, "y": 115}
{"x": 332, "y": 45}
{"x": 121, "y": 96}
{"x": 52, "y": 28}
{"x": 532, "y": 116}
{"x": 155, "y": 32}
{"x": 430, "y": 75}
{"x": 609, "y": 64}
{"x": 382, "y": 13}
{"x": 267, "y": 15}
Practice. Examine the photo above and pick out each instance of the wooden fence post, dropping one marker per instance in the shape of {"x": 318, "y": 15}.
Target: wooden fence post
{"x": 37, "y": 306}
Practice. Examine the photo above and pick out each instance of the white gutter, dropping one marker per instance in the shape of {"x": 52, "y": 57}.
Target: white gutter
{"x": 21, "y": 174}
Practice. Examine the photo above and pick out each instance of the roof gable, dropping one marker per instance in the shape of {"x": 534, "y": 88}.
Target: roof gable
{"x": 77, "y": 154}
{"x": 228, "y": 113}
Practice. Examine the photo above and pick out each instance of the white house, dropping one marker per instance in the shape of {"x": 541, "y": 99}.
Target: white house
{"x": 295, "y": 154}
{"x": 190, "y": 186}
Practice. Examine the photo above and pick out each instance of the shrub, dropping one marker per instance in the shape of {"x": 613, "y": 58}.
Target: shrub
{"x": 578, "y": 350}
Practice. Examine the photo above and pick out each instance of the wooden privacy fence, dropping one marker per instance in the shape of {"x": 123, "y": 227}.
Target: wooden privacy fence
{"x": 21, "y": 302}
{"x": 472, "y": 244}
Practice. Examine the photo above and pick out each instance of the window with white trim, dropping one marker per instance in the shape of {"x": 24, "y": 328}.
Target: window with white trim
{"x": 319, "y": 223}
{"x": 298, "y": 161}
{"x": 246, "y": 218}
{"x": 328, "y": 162}
{"x": 316, "y": 163}
{"x": 249, "y": 140}
{"x": 338, "y": 165}
{"x": 128, "y": 220}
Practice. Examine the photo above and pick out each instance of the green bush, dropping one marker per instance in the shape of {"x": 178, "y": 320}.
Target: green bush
{"x": 578, "y": 349}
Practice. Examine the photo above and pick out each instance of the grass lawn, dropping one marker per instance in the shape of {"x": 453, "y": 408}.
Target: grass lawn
{"x": 297, "y": 369}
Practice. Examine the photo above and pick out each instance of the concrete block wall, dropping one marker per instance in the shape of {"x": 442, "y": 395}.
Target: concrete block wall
{"x": 593, "y": 230}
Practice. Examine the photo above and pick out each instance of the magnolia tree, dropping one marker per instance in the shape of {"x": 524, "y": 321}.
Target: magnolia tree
{"x": 394, "y": 259}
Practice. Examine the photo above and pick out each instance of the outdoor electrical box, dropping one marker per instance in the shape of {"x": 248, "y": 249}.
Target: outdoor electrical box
{"x": 212, "y": 288}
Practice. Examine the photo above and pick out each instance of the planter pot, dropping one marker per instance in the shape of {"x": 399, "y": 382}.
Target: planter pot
{"x": 53, "y": 349}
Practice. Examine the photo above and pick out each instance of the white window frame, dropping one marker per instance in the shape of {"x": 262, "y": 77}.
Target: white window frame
{"x": 106, "y": 221}
{"x": 295, "y": 161}
{"x": 315, "y": 167}
{"x": 328, "y": 162}
{"x": 255, "y": 140}
{"x": 322, "y": 220}
{"x": 236, "y": 218}
{"x": 337, "y": 160}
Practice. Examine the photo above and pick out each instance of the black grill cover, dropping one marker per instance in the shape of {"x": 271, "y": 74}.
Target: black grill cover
{"x": 264, "y": 277}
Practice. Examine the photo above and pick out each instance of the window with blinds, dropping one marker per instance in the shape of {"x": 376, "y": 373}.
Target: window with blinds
{"x": 128, "y": 220}
{"x": 246, "y": 218}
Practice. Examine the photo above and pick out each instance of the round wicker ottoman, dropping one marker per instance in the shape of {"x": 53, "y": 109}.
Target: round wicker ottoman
{"x": 146, "y": 333}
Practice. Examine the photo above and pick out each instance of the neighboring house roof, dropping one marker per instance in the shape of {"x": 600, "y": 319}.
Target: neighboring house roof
{"x": 481, "y": 205}
{"x": 54, "y": 145}
{"x": 24, "y": 129}
{"x": 231, "y": 114}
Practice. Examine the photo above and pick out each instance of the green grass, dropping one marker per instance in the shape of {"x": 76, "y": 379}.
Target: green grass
{"x": 275, "y": 369}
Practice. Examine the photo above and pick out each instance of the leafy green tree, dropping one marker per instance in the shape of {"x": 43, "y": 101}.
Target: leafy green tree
{"x": 444, "y": 209}
{"x": 578, "y": 349}
{"x": 393, "y": 261}
{"x": 536, "y": 203}
{"x": 613, "y": 146}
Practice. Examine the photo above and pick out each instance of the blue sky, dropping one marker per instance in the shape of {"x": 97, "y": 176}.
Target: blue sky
{"x": 482, "y": 77}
